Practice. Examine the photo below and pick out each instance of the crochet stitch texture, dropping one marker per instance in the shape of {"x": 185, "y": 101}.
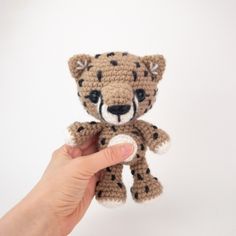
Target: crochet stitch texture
{"x": 117, "y": 88}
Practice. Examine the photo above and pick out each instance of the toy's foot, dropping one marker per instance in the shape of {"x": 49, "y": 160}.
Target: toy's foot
{"x": 110, "y": 191}
{"x": 110, "y": 203}
{"x": 111, "y": 194}
{"x": 145, "y": 188}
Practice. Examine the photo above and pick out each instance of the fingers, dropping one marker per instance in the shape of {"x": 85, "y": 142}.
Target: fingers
{"x": 86, "y": 148}
{"x": 105, "y": 158}
{"x": 62, "y": 152}
{"x": 88, "y": 143}
{"x": 90, "y": 150}
{"x": 68, "y": 152}
{"x": 73, "y": 151}
{"x": 87, "y": 198}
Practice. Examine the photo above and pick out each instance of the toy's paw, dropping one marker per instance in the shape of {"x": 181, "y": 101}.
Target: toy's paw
{"x": 163, "y": 147}
{"x": 69, "y": 139}
{"x": 147, "y": 190}
{"x": 111, "y": 194}
{"x": 111, "y": 203}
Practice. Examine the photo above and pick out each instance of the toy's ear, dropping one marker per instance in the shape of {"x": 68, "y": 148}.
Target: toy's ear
{"x": 155, "y": 64}
{"x": 78, "y": 63}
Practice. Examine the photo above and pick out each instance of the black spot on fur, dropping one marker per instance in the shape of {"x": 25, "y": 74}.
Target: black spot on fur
{"x": 155, "y": 135}
{"x": 110, "y": 54}
{"x": 103, "y": 141}
{"x": 137, "y": 64}
{"x": 147, "y": 171}
{"x": 89, "y": 67}
{"x": 114, "y": 63}
{"x": 80, "y": 128}
{"x": 139, "y": 177}
{"x": 120, "y": 185}
{"x": 108, "y": 169}
{"x": 99, "y": 194}
{"x": 136, "y": 133}
{"x": 97, "y": 183}
{"x": 137, "y": 155}
{"x": 113, "y": 177}
{"x": 145, "y": 110}
{"x": 153, "y": 77}
{"x": 145, "y": 73}
{"x": 97, "y": 56}
{"x": 154, "y": 127}
{"x": 142, "y": 147}
{"x": 99, "y": 75}
{"x": 146, "y": 189}
{"x": 136, "y": 195}
{"x": 131, "y": 190}
{"x": 125, "y": 54}
{"x": 85, "y": 105}
{"x": 92, "y": 123}
{"x": 149, "y": 102}
{"x": 81, "y": 82}
{"x": 132, "y": 172}
{"x": 113, "y": 128}
{"x": 155, "y": 178}
{"x": 134, "y": 73}
{"x": 78, "y": 94}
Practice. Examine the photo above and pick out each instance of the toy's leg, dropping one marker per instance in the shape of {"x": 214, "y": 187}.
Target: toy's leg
{"x": 145, "y": 186}
{"x": 110, "y": 190}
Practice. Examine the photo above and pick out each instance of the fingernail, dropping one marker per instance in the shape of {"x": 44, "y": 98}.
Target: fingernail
{"x": 127, "y": 149}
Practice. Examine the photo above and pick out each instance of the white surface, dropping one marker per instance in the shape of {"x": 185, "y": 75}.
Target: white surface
{"x": 124, "y": 138}
{"x": 196, "y": 104}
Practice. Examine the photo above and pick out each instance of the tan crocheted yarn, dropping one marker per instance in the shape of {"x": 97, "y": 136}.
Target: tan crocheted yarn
{"x": 117, "y": 88}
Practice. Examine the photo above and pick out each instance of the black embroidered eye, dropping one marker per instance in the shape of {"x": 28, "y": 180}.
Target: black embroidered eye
{"x": 94, "y": 96}
{"x": 140, "y": 93}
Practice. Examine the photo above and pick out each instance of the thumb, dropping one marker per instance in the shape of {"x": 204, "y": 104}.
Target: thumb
{"x": 107, "y": 157}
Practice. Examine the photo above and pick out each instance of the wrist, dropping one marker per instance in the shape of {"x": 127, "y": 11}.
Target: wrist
{"x": 32, "y": 216}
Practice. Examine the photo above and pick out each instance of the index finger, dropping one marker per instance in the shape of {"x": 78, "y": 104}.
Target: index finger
{"x": 77, "y": 151}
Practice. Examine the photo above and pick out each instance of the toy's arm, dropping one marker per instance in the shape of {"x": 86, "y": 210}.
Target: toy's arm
{"x": 157, "y": 139}
{"x": 79, "y": 132}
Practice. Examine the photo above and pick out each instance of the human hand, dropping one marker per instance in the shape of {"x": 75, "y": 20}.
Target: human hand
{"x": 60, "y": 199}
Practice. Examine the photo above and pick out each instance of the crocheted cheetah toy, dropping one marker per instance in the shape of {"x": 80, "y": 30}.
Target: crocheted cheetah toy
{"x": 117, "y": 88}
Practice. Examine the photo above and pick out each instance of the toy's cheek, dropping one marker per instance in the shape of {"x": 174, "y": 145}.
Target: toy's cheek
{"x": 124, "y": 138}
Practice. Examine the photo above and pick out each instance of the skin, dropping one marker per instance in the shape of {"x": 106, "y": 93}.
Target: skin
{"x": 62, "y": 196}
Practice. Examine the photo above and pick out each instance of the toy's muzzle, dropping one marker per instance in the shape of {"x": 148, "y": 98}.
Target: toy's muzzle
{"x": 118, "y": 104}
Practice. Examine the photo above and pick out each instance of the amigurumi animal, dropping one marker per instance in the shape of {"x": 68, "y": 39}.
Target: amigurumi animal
{"x": 117, "y": 88}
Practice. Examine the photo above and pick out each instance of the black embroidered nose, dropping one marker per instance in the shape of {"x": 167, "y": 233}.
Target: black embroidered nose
{"x": 118, "y": 109}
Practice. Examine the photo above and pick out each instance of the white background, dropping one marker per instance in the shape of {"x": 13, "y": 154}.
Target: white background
{"x": 196, "y": 104}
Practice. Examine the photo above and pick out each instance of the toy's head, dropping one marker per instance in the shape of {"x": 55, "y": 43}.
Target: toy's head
{"x": 117, "y": 87}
